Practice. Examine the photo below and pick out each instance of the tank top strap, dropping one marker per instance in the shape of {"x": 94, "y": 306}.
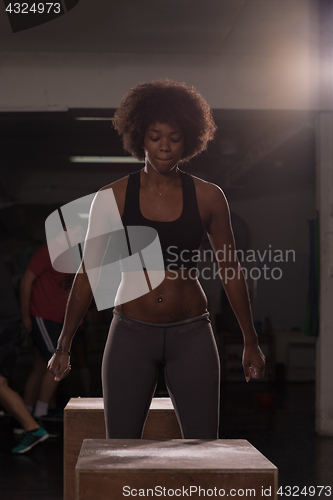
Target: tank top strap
{"x": 132, "y": 207}
{"x": 190, "y": 202}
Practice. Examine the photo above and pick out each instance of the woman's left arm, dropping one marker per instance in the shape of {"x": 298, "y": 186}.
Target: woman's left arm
{"x": 222, "y": 240}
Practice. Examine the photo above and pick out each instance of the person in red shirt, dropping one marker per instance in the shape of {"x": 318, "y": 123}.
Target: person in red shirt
{"x": 43, "y": 296}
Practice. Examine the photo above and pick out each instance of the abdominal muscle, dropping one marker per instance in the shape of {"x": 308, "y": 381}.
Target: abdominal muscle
{"x": 176, "y": 298}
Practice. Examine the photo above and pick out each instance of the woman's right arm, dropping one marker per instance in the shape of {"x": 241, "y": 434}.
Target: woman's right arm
{"x": 103, "y": 218}
{"x": 78, "y": 303}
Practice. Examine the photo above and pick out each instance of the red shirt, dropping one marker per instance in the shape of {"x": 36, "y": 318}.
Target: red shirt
{"x": 50, "y": 290}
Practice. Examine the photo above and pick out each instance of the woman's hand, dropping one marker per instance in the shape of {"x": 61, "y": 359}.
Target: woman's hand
{"x": 254, "y": 362}
{"x": 59, "y": 365}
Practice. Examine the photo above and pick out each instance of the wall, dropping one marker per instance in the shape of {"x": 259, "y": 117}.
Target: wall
{"x": 56, "y": 81}
{"x": 279, "y": 222}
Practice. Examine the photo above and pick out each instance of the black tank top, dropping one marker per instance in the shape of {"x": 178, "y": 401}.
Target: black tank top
{"x": 181, "y": 238}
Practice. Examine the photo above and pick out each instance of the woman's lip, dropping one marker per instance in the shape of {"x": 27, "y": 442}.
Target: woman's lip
{"x": 163, "y": 159}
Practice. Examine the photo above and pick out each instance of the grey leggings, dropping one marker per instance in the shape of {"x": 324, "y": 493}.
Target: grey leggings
{"x": 130, "y": 370}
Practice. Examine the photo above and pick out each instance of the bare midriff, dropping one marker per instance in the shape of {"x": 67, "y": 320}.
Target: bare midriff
{"x": 179, "y": 296}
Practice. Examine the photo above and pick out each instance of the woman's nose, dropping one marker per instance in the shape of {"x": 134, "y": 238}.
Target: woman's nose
{"x": 165, "y": 145}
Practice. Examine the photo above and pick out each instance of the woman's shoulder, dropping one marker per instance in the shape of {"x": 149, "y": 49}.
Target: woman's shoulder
{"x": 208, "y": 192}
{"x": 118, "y": 186}
{"x": 119, "y": 191}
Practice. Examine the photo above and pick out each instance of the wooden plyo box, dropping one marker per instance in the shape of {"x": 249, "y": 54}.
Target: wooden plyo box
{"x": 84, "y": 419}
{"x": 112, "y": 469}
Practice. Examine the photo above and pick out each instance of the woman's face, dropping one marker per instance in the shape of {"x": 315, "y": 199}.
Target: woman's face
{"x": 163, "y": 145}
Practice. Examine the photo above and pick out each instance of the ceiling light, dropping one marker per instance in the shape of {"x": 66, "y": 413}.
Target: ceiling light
{"x": 104, "y": 159}
{"x": 95, "y": 118}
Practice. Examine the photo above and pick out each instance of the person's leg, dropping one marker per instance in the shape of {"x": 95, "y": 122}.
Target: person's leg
{"x": 192, "y": 376}
{"x": 129, "y": 375}
{"x": 48, "y": 388}
{"x": 41, "y": 386}
{"x": 33, "y": 384}
{"x": 11, "y": 337}
{"x": 14, "y": 405}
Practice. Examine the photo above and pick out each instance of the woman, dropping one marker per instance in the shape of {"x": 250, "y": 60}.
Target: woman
{"x": 166, "y": 123}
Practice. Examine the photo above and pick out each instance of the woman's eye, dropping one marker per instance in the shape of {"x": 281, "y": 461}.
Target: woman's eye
{"x": 154, "y": 139}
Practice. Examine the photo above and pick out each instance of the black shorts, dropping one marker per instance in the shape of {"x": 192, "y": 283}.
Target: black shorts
{"x": 11, "y": 338}
{"x": 45, "y": 334}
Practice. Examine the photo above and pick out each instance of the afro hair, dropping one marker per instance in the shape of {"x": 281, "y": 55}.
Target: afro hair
{"x": 168, "y": 102}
